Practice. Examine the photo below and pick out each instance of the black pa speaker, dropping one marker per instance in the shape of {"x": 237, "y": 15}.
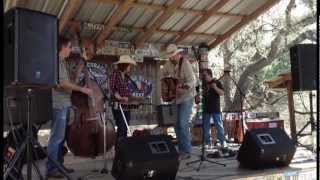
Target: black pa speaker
{"x": 30, "y": 48}
{"x": 303, "y": 67}
{"x": 266, "y": 147}
{"x": 151, "y": 157}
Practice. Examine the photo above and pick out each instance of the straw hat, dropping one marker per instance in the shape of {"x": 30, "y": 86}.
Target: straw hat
{"x": 126, "y": 59}
{"x": 173, "y": 50}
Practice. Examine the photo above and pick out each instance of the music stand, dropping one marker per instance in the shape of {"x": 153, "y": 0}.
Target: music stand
{"x": 27, "y": 144}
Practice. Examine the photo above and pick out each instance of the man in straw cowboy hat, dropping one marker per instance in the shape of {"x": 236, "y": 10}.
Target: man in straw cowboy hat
{"x": 181, "y": 69}
{"x": 120, "y": 93}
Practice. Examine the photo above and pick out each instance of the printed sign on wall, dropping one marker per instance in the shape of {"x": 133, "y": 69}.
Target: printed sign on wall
{"x": 140, "y": 86}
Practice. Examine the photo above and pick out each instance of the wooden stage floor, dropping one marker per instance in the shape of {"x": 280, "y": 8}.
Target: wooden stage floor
{"x": 302, "y": 167}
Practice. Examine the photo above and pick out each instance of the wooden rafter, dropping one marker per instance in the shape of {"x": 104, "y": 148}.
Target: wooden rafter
{"x": 77, "y": 24}
{"x": 159, "y": 7}
{"x": 243, "y": 22}
{"x": 68, "y": 13}
{"x": 202, "y": 20}
{"x": 115, "y": 18}
{"x": 160, "y": 20}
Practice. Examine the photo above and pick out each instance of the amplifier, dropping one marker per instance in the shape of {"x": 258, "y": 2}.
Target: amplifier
{"x": 233, "y": 127}
{"x": 167, "y": 114}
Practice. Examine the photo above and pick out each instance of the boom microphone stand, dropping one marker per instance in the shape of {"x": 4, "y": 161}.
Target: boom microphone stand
{"x": 202, "y": 157}
{"x": 104, "y": 121}
{"x": 242, "y": 97}
{"x": 104, "y": 170}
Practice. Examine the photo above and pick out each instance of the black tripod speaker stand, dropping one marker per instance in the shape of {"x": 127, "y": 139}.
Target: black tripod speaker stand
{"x": 313, "y": 125}
{"x": 27, "y": 145}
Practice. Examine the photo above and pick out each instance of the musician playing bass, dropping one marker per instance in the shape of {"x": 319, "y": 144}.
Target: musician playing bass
{"x": 120, "y": 93}
{"x": 61, "y": 106}
{"x": 181, "y": 69}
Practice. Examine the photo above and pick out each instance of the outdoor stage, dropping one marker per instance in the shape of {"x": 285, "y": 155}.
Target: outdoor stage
{"x": 303, "y": 167}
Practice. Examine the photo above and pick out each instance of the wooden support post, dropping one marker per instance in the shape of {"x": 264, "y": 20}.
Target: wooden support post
{"x": 292, "y": 120}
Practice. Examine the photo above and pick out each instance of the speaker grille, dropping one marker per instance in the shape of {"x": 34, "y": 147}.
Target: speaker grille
{"x": 31, "y": 48}
{"x": 303, "y": 67}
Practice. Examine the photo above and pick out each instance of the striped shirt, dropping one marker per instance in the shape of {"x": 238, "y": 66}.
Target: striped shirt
{"x": 61, "y": 98}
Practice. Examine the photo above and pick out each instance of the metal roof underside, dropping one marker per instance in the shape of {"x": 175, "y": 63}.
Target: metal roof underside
{"x": 185, "y": 22}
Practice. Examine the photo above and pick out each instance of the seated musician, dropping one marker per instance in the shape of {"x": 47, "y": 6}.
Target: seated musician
{"x": 181, "y": 69}
{"x": 61, "y": 105}
{"x": 120, "y": 93}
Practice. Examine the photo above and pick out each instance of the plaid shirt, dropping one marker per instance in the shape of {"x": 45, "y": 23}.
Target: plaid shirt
{"x": 120, "y": 85}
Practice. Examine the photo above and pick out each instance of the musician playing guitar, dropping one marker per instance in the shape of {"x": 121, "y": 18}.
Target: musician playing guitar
{"x": 120, "y": 93}
{"x": 179, "y": 68}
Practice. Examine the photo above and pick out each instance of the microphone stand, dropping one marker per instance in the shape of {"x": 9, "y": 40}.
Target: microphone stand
{"x": 102, "y": 116}
{"x": 202, "y": 157}
{"x": 242, "y": 97}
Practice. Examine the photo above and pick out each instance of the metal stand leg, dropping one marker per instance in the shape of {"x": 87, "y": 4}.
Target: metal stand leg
{"x": 312, "y": 123}
{"x": 202, "y": 157}
{"x": 28, "y": 144}
{"x": 104, "y": 170}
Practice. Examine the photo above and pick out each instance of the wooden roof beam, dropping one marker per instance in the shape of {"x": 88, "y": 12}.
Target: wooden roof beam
{"x": 68, "y": 13}
{"x": 115, "y": 18}
{"x": 159, "y": 21}
{"x": 77, "y": 24}
{"x": 202, "y": 20}
{"x": 159, "y": 7}
{"x": 243, "y": 22}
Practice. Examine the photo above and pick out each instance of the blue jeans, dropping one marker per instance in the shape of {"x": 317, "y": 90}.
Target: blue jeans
{"x": 57, "y": 137}
{"x": 182, "y": 126}
{"x": 218, "y": 125}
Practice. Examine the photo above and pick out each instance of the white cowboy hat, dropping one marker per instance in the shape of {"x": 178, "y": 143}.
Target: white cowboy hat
{"x": 126, "y": 59}
{"x": 173, "y": 50}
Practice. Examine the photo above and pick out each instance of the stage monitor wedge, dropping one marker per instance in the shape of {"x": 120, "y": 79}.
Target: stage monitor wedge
{"x": 151, "y": 157}
{"x": 30, "y": 48}
{"x": 266, "y": 147}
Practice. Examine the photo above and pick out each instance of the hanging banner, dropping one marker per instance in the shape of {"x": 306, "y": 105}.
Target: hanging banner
{"x": 140, "y": 86}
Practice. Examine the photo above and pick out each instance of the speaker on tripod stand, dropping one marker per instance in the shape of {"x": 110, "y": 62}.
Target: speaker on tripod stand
{"x": 31, "y": 64}
{"x": 303, "y": 67}
{"x": 304, "y": 78}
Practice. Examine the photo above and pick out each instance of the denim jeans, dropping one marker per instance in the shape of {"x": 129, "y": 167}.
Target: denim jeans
{"x": 182, "y": 126}
{"x": 218, "y": 125}
{"x": 57, "y": 137}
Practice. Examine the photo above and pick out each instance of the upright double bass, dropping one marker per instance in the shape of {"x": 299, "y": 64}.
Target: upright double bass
{"x": 86, "y": 133}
